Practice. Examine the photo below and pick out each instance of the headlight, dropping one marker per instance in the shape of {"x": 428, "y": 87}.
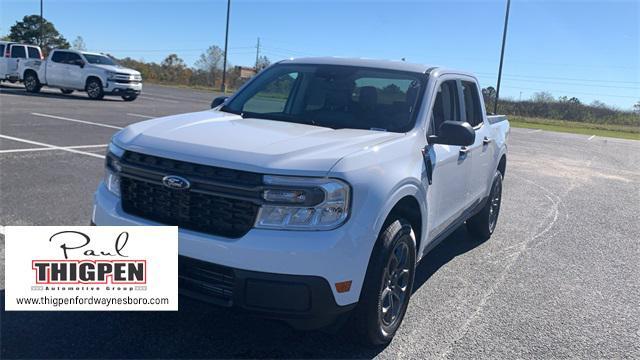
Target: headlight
{"x": 294, "y": 203}
{"x": 111, "y": 75}
{"x": 112, "y": 169}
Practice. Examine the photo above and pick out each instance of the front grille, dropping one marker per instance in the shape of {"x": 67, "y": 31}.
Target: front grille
{"x": 183, "y": 168}
{"x": 220, "y": 201}
{"x": 206, "y": 279}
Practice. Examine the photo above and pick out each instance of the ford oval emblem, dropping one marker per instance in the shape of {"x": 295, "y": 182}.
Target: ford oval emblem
{"x": 176, "y": 182}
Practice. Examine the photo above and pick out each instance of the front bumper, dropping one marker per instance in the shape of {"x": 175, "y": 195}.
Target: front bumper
{"x": 117, "y": 88}
{"x": 332, "y": 256}
{"x": 303, "y": 301}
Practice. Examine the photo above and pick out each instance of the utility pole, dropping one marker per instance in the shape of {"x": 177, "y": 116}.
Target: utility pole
{"x": 504, "y": 39}
{"x": 257, "y": 54}
{"x": 226, "y": 40}
{"x": 41, "y": 25}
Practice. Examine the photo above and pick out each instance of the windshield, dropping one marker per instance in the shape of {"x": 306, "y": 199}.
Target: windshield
{"x": 99, "y": 59}
{"x": 333, "y": 96}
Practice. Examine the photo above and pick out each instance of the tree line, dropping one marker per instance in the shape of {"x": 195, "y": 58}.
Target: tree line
{"x": 544, "y": 105}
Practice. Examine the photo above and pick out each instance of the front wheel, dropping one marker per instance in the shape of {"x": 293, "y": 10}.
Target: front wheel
{"x": 129, "y": 97}
{"x": 94, "y": 89}
{"x": 31, "y": 83}
{"x": 388, "y": 284}
{"x": 483, "y": 223}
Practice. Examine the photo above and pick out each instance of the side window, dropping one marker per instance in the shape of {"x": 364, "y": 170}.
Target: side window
{"x": 17, "y": 51}
{"x": 34, "y": 52}
{"x": 73, "y": 58}
{"x": 446, "y": 106}
{"x": 1, "y": 50}
{"x": 59, "y": 57}
{"x": 472, "y": 108}
{"x": 273, "y": 98}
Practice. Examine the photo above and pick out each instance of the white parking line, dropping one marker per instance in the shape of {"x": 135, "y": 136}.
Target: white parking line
{"x": 592, "y": 136}
{"x": 159, "y": 99}
{"x": 534, "y": 131}
{"x": 141, "y": 116}
{"x": 76, "y": 120}
{"x": 52, "y": 146}
{"x": 50, "y": 149}
{"x": 1, "y": 230}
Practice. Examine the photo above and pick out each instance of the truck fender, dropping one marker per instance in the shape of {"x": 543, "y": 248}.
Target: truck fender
{"x": 413, "y": 188}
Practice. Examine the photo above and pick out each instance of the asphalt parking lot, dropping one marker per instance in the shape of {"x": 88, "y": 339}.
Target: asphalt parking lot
{"x": 559, "y": 278}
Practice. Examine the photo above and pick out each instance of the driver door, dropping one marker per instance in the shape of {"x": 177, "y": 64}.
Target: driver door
{"x": 447, "y": 194}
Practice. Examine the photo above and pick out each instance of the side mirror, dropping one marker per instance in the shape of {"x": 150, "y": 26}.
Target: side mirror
{"x": 79, "y": 63}
{"x": 454, "y": 133}
{"x": 218, "y": 101}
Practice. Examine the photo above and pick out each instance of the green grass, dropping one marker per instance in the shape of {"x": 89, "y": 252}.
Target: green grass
{"x": 604, "y": 130}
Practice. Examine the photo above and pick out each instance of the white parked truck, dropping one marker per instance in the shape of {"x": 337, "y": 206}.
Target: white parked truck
{"x": 11, "y": 54}
{"x": 312, "y": 193}
{"x": 70, "y": 70}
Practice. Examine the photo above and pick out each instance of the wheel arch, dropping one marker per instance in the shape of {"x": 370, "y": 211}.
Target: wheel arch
{"x": 502, "y": 164}
{"x": 89, "y": 77}
{"x": 408, "y": 202}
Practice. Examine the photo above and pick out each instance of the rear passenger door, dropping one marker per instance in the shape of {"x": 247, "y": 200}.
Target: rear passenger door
{"x": 482, "y": 150}
{"x": 18, "y": 53}
{"x": 56, "y": 68}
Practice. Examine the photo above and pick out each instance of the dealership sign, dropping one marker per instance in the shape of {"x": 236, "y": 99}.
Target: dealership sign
{"x": 91, "y": 268}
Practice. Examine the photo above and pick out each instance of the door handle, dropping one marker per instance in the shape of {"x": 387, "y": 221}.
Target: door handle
{"x": 486, "y": 140}
{"x": 464, "y": 150}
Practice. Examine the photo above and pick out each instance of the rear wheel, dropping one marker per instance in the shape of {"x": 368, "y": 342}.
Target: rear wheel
{"x": 388, "y": 285}
{"x": 129, "y": 97}
{"x": 94, "y": 89}
{"x": 483, "y": 223}
{"x": 31, "y": 82}
{"x": 66, "y": 91}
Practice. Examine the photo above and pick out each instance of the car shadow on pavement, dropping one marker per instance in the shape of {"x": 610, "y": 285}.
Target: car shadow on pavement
{"x": 75, "y": 96}
{"x": 458, "y": 243}
{"x": 196, "y": 331}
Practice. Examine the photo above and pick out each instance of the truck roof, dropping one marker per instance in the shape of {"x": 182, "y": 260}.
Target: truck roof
{"x": 374, "y": 63}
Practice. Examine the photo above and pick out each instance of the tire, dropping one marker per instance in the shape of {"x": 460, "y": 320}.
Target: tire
{"x": 385, "y": 280}
{"x": 94, "y": 89}
{"x": 482, "y": 224}
{"x": 66, "y": 91}
{"x": 31, "y": 82}
{"x": 130, "y": 97}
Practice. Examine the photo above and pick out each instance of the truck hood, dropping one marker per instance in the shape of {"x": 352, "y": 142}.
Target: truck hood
{"x": 118, "y": 69}
{"x": 226, "y": 140}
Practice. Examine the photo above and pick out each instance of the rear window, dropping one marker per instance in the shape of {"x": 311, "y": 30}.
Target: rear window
{"x": 34, "y": 52}
{"x": 2, "y": 50}
{"x": 59, "y": 57}
{"x": 17, "y": 51}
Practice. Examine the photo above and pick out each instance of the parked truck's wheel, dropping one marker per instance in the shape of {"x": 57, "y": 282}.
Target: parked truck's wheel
{"x": 129, "y": 97}
{"x": 31, "y": 82}
{"x": 388, "y": 284}
{"x": 66, "y": 91}
{"x": 483, "y": 223}
{"x": 94, "y": 89}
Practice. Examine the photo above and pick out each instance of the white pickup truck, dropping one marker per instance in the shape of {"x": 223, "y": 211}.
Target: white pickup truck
{"x": 71, "y": 70}
{"x": 311, "y": 194}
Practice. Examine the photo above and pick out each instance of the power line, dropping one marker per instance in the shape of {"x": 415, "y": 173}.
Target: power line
{"x": 574, "y": 92}
{"x": 561, "y": 78}
{"x": 565, "y": 83}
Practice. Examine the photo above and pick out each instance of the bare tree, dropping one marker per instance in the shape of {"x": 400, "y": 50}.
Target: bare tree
{"x": 210, "y": 61}
{"x": 79, "y": 44}
{"x": 542, "y": 97}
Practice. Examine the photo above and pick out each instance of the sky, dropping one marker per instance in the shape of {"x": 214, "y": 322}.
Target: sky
{"x": 586, "y": 49}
